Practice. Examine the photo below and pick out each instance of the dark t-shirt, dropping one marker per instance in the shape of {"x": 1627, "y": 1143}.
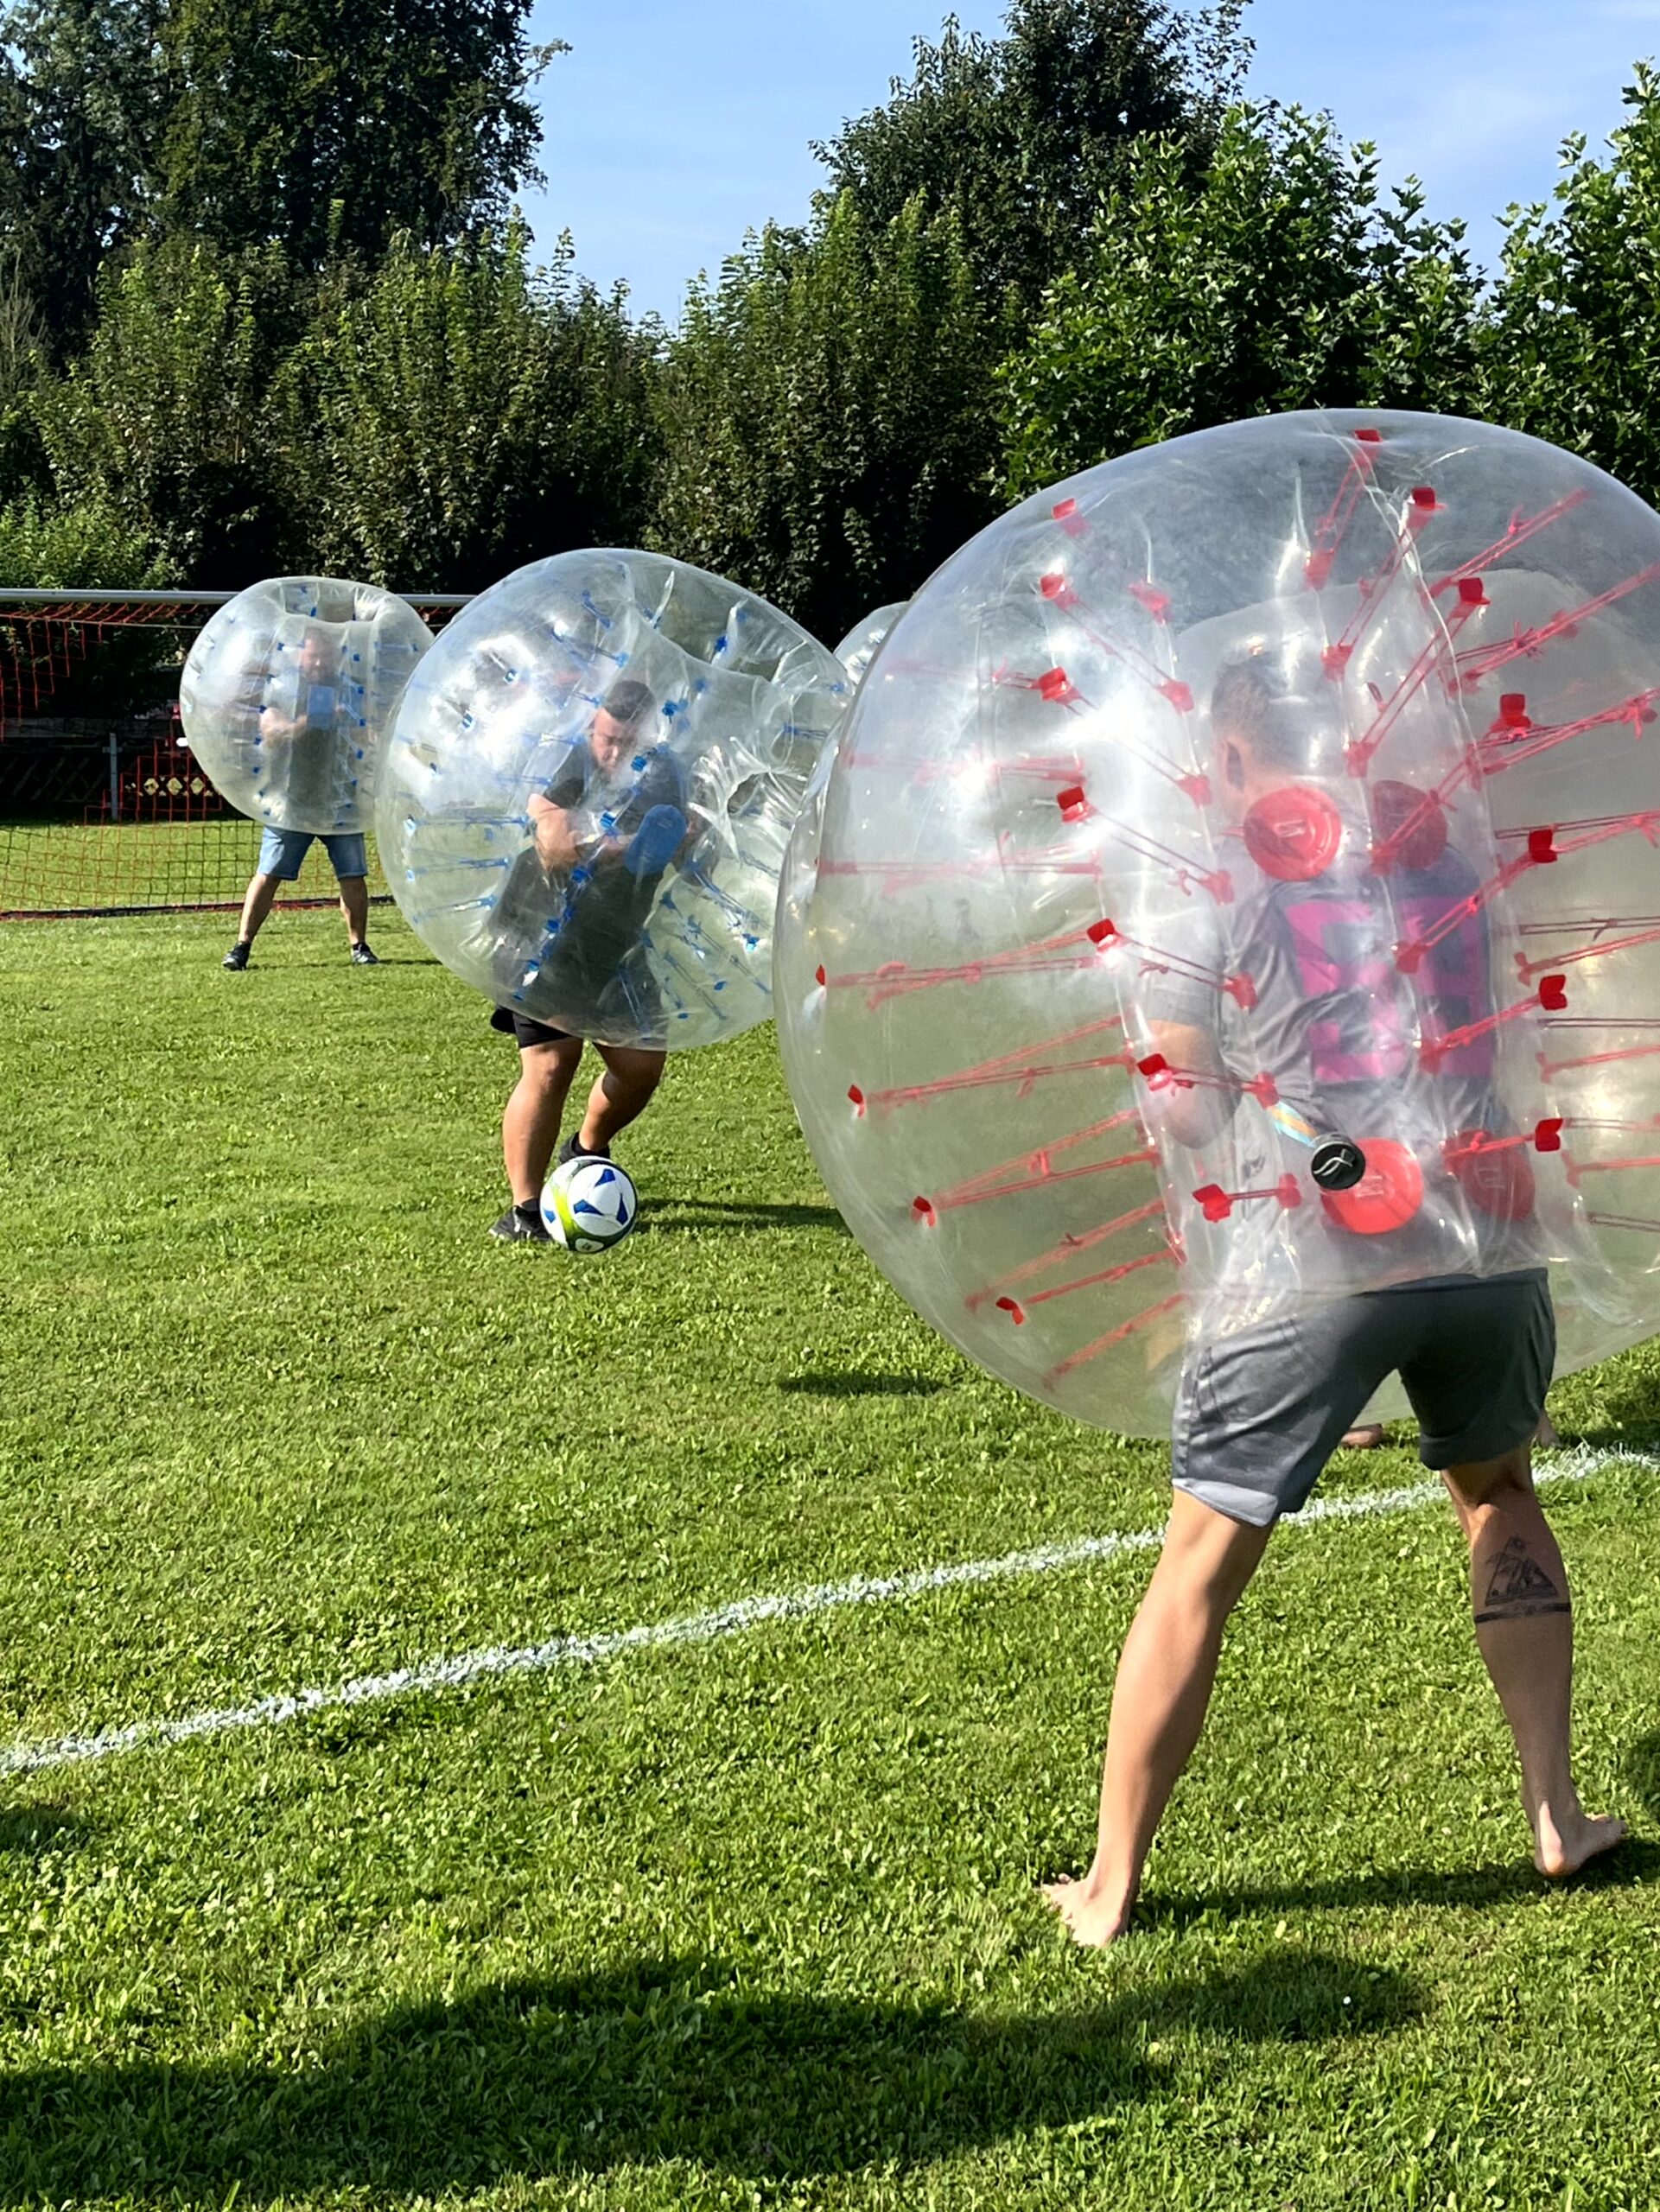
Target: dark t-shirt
{"x": 593, "y": 915}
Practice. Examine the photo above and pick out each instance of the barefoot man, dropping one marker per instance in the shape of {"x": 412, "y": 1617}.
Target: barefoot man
{"x": 1313, "y": 1306}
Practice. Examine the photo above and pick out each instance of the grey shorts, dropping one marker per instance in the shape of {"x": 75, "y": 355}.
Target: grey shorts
{"x": 1258, "y": 1414}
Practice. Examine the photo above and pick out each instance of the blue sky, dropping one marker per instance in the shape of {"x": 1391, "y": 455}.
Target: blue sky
{"x": 674, "y": 125}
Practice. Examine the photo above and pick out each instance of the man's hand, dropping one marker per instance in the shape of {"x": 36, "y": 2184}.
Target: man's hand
{"x": 556, "y": 846}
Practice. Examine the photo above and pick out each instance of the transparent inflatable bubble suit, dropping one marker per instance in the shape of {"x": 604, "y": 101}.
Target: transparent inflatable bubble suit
{"x": 1234, "y": 885}
{"x": 585, "y": 803}
{"x": 287, "y": 692}
{"x": 863, "y": 641}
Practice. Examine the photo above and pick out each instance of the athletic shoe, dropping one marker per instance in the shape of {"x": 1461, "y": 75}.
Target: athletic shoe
{"x": 363, "y": 958}
{"x": 515, "y": 1228}
{"x": 574, "y": 1148}
{"x": 237, "y": 957}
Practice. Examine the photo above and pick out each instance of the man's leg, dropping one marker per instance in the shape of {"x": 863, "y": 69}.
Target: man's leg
{"x": 1159, "y": 1702}
{"x": 260, "y": 898}
{"x": 620, "y": 1096}
{"x": 354, "y": 906}
{"x": 530, "y": 1126}
{"x": 1524, "y": 1629}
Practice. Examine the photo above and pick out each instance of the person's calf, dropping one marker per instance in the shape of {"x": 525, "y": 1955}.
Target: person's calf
{"x": 1158, "y": 1700}
{"x": 1524, "y": 1624}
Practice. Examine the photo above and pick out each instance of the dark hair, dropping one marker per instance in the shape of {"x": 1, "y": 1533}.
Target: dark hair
{"x": 628, "y": 701}
{"x": 1274, "y": 716}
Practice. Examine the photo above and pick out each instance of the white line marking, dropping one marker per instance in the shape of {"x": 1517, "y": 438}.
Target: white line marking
{"x": 733, "y": 1619}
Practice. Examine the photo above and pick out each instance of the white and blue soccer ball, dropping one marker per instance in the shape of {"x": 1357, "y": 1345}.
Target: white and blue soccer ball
{"x": 589, "y": 1205}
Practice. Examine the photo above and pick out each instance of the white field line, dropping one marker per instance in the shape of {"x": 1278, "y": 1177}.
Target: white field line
{"x": 735, "y": 1619}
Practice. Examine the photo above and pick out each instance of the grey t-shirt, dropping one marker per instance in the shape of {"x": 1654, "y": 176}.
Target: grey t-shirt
{"x": 1319, "y": 1007}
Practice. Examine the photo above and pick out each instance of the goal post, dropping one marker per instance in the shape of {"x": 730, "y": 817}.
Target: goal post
{"x": 103, "y": 810}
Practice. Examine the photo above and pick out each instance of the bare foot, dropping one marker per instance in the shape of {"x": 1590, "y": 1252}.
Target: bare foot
{"x": 1563, "y": 1848}
{"x": 1090, "y": 1918}
{"x": 1368, "y": 1437}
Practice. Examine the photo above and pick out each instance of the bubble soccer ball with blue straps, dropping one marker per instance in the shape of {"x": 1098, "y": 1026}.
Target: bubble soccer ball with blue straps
{"x": 1234, "y": 888}
{"x": 287, "y": 692}
{"x": 585, "y": 803}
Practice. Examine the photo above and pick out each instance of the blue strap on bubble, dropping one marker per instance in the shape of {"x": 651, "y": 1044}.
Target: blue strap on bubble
{"x": 656, "y": 842}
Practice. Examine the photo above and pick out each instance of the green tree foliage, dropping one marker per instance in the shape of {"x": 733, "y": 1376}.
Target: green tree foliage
{"x": 46, "y": 547}
{"x": 1568, "y": 344}
{"x": 1277, "y": 280}
{"x": 23, "y": 469}
{"x": 464, "y": 414}
{"x": 80, "y": 106}
{"x": 326, "y": 127}
{"x": 825, "y": 417}
{"x": 1022, "y": 135}
{"x": 164, "y": 424}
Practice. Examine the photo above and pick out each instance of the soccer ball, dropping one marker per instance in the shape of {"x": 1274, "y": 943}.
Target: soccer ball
{"x": 589, "y": 1205}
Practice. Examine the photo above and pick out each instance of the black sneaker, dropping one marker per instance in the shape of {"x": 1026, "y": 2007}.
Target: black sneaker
{"x": 362, "y": 958}
{"x": 574, "y": 1148}
{"x": 237, "y": 957}
{"x": 516, "y": 1227}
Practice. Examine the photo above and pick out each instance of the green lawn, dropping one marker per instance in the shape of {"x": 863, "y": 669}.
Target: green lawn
{"x": 746, "y": 1923}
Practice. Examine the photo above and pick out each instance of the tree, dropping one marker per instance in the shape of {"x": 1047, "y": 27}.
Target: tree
{"x": 80, "y": 115}
{"x": 1275, "y": 281}
{"x": 464, "y": 413}
{"x": 1022, "y": 136}
{"x": 1568, "y": 350}
{"x": 825, "y": 413}
{"x": 326, "y": 127}
{"x": 164, "y": 424}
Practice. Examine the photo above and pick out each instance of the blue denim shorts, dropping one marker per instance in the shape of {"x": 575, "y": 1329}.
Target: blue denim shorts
{"x": 281, "y": 852}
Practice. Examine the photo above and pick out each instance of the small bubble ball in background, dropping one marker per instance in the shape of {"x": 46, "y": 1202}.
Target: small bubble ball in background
{"x": 287, "y": 693}
{"x": 863, "y": 641}
{"x": 1236, "y": 886}
{"x": 652, "y": 925}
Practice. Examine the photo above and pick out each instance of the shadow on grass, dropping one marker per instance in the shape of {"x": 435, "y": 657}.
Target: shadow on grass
{"x": 1637, "y": 1860}
{"x": 670, "y": 1216}
{"x": 850, "y": 1382}
{"x": 28, "y": 1830}
{"x": 1642, "y": 1764}
{"x": 650, "y": 2062}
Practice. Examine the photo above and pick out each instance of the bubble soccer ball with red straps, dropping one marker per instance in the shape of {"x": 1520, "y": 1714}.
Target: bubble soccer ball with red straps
{"x": 1234, "y": 885}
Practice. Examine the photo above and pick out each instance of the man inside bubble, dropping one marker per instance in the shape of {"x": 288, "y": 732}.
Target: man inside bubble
{"x": 303, "y": 728}
{"x": 604, "y": 834}
{"x": 1261, "y": 1407}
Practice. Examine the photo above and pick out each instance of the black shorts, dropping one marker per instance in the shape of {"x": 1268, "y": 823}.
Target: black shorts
{"x": 524, "y": 1032}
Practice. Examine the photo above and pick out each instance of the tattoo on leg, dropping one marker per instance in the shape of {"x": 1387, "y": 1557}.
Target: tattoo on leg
{"x": 1520, "y": 1587}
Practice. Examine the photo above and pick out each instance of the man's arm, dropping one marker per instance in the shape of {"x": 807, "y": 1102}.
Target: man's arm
{"x": 557, "y": 845}
{"x": 1192, "y": 1114}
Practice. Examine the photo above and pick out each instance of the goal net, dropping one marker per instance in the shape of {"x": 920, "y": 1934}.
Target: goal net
{"x": 103, "y": 808}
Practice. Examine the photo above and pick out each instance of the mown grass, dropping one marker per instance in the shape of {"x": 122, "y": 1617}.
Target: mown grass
{"x": 747, "y": 1923}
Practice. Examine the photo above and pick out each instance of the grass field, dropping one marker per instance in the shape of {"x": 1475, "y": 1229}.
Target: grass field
{"x": 743, "y": 1922}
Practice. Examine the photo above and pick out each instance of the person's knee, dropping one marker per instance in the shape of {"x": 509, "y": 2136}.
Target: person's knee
{"x": 1491, "y": 1486}
{"x": 633, "y": 1074}
{"x": 545, "y": 1071}
{"x": 1208, "y": 1558}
